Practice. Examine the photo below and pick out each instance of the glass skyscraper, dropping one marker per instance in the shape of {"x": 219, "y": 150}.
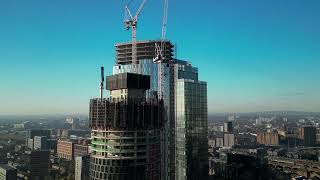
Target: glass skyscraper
{"x": 191, "y": 144}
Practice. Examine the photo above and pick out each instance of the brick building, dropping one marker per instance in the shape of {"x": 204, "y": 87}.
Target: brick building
{"x": 65, "y": 149}
{"x": 268, "y": 138}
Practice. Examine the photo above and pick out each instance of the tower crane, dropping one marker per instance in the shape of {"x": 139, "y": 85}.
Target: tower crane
{"x": 131, "y": 22}
{"x": 160, "y": 58}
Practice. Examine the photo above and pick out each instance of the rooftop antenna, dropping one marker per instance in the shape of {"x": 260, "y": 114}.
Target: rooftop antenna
{"x": 102, "y": 81}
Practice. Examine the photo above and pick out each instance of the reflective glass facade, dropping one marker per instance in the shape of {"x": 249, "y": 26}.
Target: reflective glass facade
{"x": 191, "y": 144}
{"x": 145, "y": 67}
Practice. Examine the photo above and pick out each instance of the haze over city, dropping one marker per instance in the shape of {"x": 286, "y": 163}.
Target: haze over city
{"x": 159, "y": 90}
{"x": 262, "y": 58}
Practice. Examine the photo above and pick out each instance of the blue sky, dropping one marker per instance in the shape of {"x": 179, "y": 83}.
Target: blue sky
{"x": 256, "y": 55}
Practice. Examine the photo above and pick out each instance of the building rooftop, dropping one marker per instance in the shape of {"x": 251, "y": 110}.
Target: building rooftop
{"x": 6, "y": 167}
{"x": 139, "y": 42}
{"x": 144, "y": 50}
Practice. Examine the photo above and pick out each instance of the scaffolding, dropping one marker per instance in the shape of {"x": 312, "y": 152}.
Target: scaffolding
{"x": 132, "y": 114}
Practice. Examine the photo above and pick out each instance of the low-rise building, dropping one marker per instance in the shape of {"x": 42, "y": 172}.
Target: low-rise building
{"x": 82, "y": 165}
{"x": 308, "y": 135}
{"x": 39, "y": 164}
{"x": 36, "y": 132}
{"x": 219, "y": 142}
{"x": 228, "y": 128}
{"x": 268, "y": 138}
{"x": 212, "y": 143}
{"x": 40, "y": 143}
{"x": 52, "y": 145}
{"x": 228, "y": 140}
{"x": 239, "y": 166}
{"x": 7, "y": 172}
{"x": 18, "y": 126}
{"x": 318, "y": 138}
{"x": 65, "y": 149}
{"x": 30, "y": 143}
{"x": 80, "y": 150}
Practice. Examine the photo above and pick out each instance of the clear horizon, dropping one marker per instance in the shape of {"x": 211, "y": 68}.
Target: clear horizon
{"x": 255, "y": 55}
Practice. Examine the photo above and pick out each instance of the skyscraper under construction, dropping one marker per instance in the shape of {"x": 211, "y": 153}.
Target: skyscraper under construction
{"x": 184, "y": 145}
{"x": 140, "y": 134}
{"x": 145, "y": 55}
{"x": 126, "y": 131}
{"x": 154, "y": 125}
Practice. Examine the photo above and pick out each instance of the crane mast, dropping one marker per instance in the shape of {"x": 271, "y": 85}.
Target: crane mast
{"x": 132, "y": 22}
{"x": 160, "y": 52}
{"x": 164, "y": 21}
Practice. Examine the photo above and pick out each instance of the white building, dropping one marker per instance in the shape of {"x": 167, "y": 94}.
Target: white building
{"x": 82, "y": 164}
{"x": 228, "y": 140}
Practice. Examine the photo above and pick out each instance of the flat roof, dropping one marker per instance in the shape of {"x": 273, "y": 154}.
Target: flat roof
{"x": 6, "y": 167}
{"x": 142, "y": 41}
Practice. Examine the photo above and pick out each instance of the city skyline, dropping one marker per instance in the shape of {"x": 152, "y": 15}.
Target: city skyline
{"x": 255, "y": 55}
